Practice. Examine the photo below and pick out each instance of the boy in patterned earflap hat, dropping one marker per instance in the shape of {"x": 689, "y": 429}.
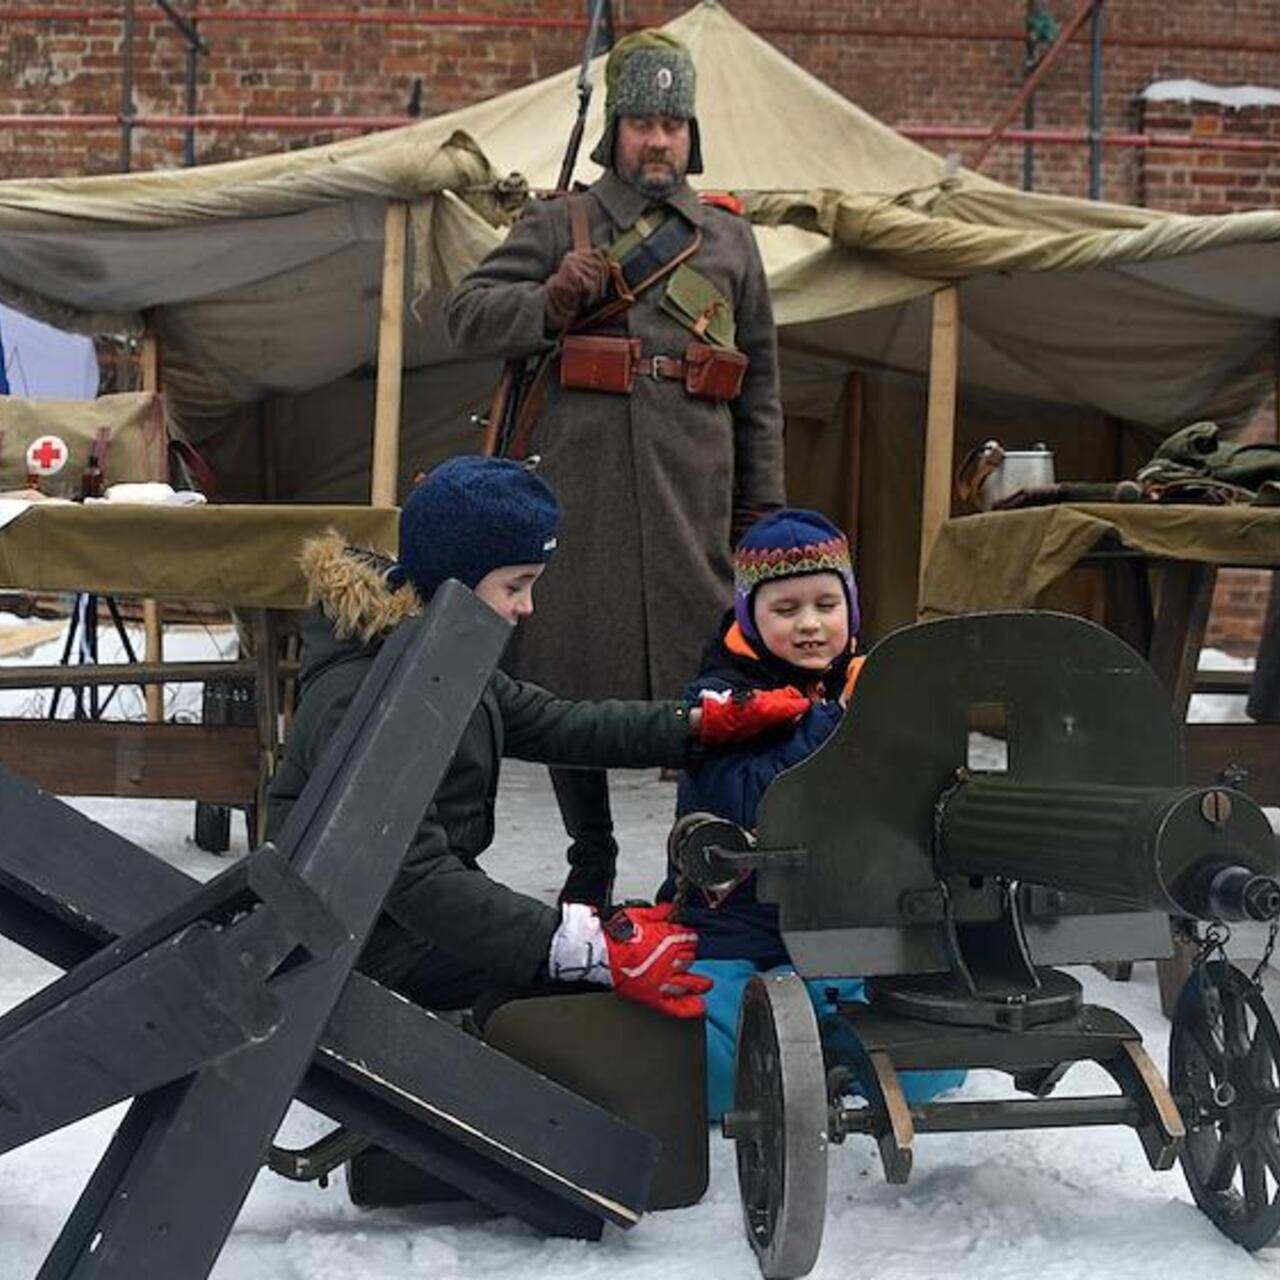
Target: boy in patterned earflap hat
{"x": 447, "y": 931}
{"x": 794, "y": 623}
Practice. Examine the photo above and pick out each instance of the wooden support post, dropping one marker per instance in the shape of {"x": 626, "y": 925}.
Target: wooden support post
{"x": 853, "y": 430}
{"x": 940, "y": 431}
{"x": 152, "y": 627}
{"x": 386, "y": 419}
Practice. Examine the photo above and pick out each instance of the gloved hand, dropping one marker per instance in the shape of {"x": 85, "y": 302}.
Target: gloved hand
{"x": 649, "y": 957}
{"x": 639, "y": 952}
{"x": 731, "y": 717}
{"x": 578, "y": 281}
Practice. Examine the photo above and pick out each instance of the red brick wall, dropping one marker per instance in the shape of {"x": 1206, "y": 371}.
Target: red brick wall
{"x": 903, "y": 62}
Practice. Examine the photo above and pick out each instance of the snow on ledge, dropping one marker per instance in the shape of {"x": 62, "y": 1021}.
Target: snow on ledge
{"x": 1236, "y": 97}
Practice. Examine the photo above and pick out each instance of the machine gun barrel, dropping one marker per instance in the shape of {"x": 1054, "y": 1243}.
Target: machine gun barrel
{"x": 1206, "y": 852}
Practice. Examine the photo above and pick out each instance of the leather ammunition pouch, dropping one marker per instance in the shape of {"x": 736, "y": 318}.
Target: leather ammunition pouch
{"x": 595, "y": 362}
{"x": 712, "y": 373}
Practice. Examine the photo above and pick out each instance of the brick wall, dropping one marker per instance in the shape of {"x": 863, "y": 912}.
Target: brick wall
{"x": 905, "y": 62}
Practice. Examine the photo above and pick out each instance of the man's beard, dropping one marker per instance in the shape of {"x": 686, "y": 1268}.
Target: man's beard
{"x": 656, "y": 188}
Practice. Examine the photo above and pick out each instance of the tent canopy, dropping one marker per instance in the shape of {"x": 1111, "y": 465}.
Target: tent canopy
{"x": 261, "y": 277}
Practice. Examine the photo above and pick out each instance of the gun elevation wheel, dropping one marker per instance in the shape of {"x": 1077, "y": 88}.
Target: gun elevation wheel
{"x": 1224, "y": 1072}
{"x": 779, "y": 1123}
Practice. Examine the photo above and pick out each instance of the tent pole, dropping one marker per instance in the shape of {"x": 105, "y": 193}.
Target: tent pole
{"x": 939, "y": 443}
{"x": 386, "y": 420}
{"x": 151, "y": 624}
{"x": 853, "y": 433}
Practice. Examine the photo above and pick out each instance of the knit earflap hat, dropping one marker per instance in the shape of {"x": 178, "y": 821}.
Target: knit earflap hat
{"x": 471, "y": 515}
{"x": 787, "y": 544}
{"x": 649, "y": 73}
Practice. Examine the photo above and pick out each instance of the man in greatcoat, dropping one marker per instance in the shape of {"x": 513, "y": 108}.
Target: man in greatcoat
{"x": 657, "y": 466}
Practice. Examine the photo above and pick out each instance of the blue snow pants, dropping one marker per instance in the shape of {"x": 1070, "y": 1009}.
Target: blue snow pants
{"x": 725, "y": 999}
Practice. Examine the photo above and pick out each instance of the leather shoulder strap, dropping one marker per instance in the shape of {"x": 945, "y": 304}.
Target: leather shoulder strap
{"x": 578, "y": 223}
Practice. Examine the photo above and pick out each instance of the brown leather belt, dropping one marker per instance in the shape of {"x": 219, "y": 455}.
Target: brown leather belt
{"x": 660, "y": 367}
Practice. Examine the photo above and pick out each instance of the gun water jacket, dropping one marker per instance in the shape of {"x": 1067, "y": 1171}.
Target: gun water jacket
{"x": 650, "y": 483}
{"x": 442, "y": 898}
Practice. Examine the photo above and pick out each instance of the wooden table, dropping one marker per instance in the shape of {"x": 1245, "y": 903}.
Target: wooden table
{"x": 241, "y": 557}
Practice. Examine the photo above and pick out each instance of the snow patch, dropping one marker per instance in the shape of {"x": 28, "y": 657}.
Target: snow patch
{"x": 1236, "y": 97}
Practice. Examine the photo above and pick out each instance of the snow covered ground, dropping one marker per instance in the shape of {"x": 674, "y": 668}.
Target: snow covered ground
{"x": 1055, "y": 1205}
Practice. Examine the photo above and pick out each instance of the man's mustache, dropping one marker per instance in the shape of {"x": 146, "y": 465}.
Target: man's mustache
{"x": 657, "y": 155}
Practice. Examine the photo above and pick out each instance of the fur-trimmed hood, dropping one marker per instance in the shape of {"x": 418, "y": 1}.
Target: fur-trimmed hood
{"x": 355, "y": 606}
{"x": 350, "y": 585}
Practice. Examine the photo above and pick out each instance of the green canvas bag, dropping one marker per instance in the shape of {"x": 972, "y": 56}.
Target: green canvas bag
{"x": 125, "y": 433}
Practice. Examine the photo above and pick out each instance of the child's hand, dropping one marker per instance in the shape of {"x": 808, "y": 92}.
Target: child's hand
{"x": 729, "y": 717}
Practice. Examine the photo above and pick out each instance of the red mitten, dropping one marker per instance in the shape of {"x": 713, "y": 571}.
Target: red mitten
{"x": 649, "y": 957}
{"x": 731, "y": 717}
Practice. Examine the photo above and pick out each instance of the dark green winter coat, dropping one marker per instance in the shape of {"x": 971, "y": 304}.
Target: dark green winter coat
{"x": 442, "y": 898}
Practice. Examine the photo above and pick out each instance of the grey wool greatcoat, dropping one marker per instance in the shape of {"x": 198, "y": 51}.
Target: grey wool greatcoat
{"x": 650, "y": 483}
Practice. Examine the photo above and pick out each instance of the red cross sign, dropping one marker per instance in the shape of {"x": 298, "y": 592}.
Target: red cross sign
{"x": 47, "y": 455}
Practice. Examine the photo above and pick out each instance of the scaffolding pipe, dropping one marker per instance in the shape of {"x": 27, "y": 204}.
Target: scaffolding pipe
{"x": 1029, "y": 111}
{"x": 917, "y": 132}
{"x": 321, "y": 17}
{"x": 1032, "y": 82}
{"x": 126, "y": 90}
{"x": 1095, "y": 102}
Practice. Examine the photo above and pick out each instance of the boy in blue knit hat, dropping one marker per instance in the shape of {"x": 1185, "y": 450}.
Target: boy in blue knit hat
{"x": 794, "y": 624}
{"x": 447, "y": 931}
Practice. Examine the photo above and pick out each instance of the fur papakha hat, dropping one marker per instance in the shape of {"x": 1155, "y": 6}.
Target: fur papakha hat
{"x": 787, "y": 544}
{"x": 471, "y": 515}
{"x": 649, "y": 73}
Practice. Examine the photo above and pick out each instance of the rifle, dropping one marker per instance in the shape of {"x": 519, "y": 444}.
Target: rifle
{"x": 518, "y": 376}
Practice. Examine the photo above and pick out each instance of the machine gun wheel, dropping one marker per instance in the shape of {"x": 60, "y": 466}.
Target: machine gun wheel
{"x": 779, "y": 1124}
{"x": 1224, "y": 1072}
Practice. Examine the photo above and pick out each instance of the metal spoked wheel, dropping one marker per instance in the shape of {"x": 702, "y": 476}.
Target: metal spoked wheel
{"x": 780, "y": 1124}
{"x": 1224, "y": 1072}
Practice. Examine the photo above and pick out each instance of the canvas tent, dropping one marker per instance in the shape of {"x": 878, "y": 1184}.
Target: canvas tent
{"x": 1096, "y": 327}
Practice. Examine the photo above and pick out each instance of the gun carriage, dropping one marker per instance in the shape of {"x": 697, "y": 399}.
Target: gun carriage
{"x": 957, "y": 891}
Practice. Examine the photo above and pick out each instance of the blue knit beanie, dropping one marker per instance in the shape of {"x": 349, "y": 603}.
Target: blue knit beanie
{"x": 472, "y": 515}
{"x": 788, "y": 544}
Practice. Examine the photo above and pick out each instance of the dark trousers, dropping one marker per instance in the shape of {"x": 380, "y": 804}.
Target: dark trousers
{"x": 583, "y": 797}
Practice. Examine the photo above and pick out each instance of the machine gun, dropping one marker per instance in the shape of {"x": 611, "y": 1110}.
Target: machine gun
{"x": 955, "y": 891}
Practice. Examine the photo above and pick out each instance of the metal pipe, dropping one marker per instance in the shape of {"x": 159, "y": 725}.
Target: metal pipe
{"x": 1016, "y": 1113}
{"x": 126, "y": 90}
{"x": 1029, "y": 86}
{"x": 308, "y": 17}
{"x": 1095, "y": 103}
{"x": 917, "y": 132}
{"x": 1029, "y": 113}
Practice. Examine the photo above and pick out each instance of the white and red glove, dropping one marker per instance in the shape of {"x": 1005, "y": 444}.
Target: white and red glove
{"x": 639, "y": 951}
{"x": 731, "y": 717}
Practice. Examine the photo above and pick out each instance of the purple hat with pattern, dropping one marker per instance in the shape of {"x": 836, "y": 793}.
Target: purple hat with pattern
{"x": 788, "y": 544}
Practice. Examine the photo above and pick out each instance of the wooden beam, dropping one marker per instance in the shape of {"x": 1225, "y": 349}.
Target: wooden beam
{"x": 386, "y": 418}
{"x": 853, "y": 386}
{"x": 940, "y": 430}
{"x": 153, "y": 628}
{"x": 129, "y": 758}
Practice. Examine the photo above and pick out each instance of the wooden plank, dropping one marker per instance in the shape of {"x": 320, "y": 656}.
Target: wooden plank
{"x": 132, "y": 758}
{"x": 1186, "y": 592}
{"x": 108, "y": 673}
{"x": 152, "y": 627}
{"x": 1252, "y": 748}
{"x": 385, "y": 1067}
{"x": 17, "y": 640}
{"x": 386, "y": 419}
{"x": 940, "y": 429}
{"x": 853, "y": 410}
